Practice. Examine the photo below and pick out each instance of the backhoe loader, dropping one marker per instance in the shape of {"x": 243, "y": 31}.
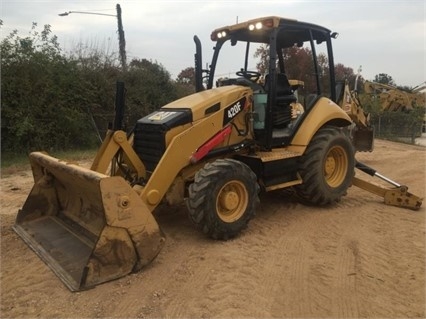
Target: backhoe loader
{"x": 215, "y": 150}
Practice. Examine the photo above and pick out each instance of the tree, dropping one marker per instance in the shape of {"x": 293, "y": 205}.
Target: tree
{"x": 342, "y": 72}
{"x": 262, "y": 53}
{"x": 346, "y": 73}
{"x": 298, "y": 62}
{"x": 36, "y": 111}
{"x": 384, "y": 78}
{"x": 50, "y": 100}
{"x": 186, "y": 76}
{"x": 299, "y": 65}
{"x": 185, "y": 82}
{"x": 149, "y": 87}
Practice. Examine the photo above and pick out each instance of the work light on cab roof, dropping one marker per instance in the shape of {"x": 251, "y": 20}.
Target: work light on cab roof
{"x": 251, "y": 25}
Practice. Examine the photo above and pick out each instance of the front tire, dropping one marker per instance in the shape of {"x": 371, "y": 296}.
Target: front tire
{"x": 223, "y": 198}
{"x": 326, "y": 167}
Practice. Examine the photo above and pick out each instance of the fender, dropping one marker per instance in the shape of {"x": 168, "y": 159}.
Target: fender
{"x": 323, "y": 112}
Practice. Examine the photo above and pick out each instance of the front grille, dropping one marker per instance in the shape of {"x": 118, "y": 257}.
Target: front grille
{"x": 150, "y": 134}
{"x": 149, "y": 144}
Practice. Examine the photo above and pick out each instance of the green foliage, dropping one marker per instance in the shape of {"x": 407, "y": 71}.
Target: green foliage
{"x": 384, "y": 78}
{"x": 262, "y": 53}
{"x": 185, "y": 82}
{"x": 149, "y": 87}
{"x": 397, "y": 125}
{"x": 36, "y": 112}
{"x": 53, "y": 101}
{"x": 370, "y": 103}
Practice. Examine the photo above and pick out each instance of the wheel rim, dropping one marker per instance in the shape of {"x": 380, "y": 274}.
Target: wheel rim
{"x": 335, "y": 166}
{"x": 232, "y": 201}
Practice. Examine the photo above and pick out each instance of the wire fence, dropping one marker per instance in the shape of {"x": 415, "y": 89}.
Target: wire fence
{"x": 398, "y": 126}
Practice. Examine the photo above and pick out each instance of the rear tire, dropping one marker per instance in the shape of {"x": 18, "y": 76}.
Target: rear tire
{"x": 327, "y": 167}
{"x": 223, "y": 198}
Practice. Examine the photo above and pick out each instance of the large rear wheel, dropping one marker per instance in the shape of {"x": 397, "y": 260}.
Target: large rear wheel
{"x": 223, "y": 198}
{"x": 327, "y": 167}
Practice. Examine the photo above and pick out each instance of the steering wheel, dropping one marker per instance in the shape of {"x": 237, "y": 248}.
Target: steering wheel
{"x": 250, "y": 75}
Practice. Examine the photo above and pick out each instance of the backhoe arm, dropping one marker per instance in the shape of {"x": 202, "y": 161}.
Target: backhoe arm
{"x": 397, "y": 195}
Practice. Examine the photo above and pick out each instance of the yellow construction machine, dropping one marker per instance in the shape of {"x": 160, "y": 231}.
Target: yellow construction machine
{"x": 361, "y": 132}
{"x": 215, "y": 150}
{"x": 393, "y": 99}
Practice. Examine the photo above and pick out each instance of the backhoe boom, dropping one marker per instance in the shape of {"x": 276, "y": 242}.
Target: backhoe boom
{"x": 398, "y": 195}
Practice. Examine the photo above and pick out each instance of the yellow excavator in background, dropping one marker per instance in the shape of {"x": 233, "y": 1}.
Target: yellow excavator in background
{"x": 215, "y": 150}
{"x": 393, "y": 99}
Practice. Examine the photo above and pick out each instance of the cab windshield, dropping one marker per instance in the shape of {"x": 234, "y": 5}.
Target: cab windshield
{"x": 296, "y": 49}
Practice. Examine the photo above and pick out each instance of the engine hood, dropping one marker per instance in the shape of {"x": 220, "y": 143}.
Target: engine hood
{"x": 210, "y": 101}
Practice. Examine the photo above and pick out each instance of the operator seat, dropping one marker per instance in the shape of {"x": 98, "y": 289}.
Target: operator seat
{"x": 281, "y": 111}
{"x": 284, "y": 91}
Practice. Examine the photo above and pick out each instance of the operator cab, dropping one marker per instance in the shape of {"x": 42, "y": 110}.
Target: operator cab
{"x": 294, "y": 67}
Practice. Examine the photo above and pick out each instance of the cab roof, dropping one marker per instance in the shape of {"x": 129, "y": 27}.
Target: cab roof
{"x": 290, "y": 31}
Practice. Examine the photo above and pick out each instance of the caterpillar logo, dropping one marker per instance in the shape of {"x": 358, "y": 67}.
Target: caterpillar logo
{"x": 160, "y": 116}
{"x": 233, "y": 110}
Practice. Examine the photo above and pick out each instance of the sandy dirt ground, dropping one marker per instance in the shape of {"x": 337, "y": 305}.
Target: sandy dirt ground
{"x": 359, "y": 258}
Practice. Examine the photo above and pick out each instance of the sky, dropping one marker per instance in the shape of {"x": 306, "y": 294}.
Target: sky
{"x": 380, "y": 36}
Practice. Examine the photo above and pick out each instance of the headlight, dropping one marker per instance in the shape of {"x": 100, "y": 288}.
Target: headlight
{"x": 257, "y": 26}
{"x": 221, "y": 34}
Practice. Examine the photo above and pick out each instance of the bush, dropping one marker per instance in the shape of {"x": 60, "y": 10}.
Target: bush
{"x": 399, "y": 126}
{"x": 52, "y": 101}
{"x": 37, "y": 111}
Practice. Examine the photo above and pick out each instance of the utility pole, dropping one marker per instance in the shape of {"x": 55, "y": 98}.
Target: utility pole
{"x": 121, "y": 40}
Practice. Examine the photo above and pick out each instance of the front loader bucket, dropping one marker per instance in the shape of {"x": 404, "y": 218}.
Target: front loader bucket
{"x": 89, "y": 228}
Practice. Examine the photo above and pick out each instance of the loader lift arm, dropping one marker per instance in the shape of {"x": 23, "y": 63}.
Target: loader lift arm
{"x": 397, "y": 195}
{"x": 362, "y": 132}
